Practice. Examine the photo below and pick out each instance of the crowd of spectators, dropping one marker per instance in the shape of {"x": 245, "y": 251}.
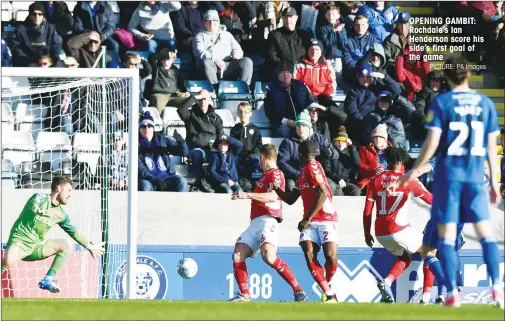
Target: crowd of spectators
{"x": 361, "y": 49}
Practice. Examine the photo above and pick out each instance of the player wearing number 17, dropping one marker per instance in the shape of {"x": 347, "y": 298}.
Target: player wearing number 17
{"x": 262, "y": 233}
{"x": 26, "y": 241}
{"x": 462, "y": 128}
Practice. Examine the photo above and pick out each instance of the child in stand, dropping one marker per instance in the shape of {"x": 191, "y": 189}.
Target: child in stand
{"x": 223, "y": 165}
{"x": 334, "y": 36}
{"x": 250, "y": 136}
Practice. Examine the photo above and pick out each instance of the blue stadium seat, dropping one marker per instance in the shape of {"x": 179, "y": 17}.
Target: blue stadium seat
{"x": 414, "y": 148}
{"x": 232, "y": 93}
{"x": 194, "y": 86}
{"x": 260, "y": 92}
{"x": 113, "y": 56}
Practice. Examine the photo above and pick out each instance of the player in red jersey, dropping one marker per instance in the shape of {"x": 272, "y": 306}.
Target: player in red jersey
{"x": 392, "y": 226}
{"x": 262, "y": 233}
{"x": 318, "y": 228}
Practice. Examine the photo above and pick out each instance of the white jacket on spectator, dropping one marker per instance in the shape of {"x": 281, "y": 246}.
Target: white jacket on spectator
{"x": 216, "y": 47}
{"x": 158, "y": 24}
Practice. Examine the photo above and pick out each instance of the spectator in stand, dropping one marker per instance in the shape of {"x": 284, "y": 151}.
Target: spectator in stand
{"x": 239, "y": 17}
{"x": 372, "y": 156}
{"x": 35, "y": 38}
{"x": 269, "y": 15}
{"x": 334, "y": 37}
{"x": 349, "y": 10}
{"x": 151, "y": 24}
{"x": 319, "y": 125}
{"x": 287, "y": 159}
{"x": 377, "y": 58}
{"x": 167, "y": 85}
{"x": 362, "y": 98}
{"x": 155, "y": 171}
{"x": 220, "y": 54}
{"x": 395, "y": 112}
{"x": 315, "y": 72}
{"x": 132, "y": 61}
{"x": 358, "y": 43}
{"x": 223, "y": 165}
{"x": 6, "y": 55}
{"x": 344, "y": 169}
{"x": 412, "y": 72}
{"x": 433, "y": 85}
{"x": 118, "y": 162}
{"x": 381, "y": 18}
{"x": 250, "y": 136}
{"x": 45, "y": 62}
{"x": 286, "y": 98}
{"x": 286, "y": 44}
{"x": 188, "y": 22}
{"x": 57, "y": 14}
{"x": 397, "y": 41}
{"x": 85, "y": 49}
{"x": 96, "y": 16}
{"x": 203, "y": 126}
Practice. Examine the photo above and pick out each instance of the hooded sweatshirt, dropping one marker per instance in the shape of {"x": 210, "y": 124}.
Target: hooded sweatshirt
{"x": 220, "y": 46}
{"x": 319, "y": 77}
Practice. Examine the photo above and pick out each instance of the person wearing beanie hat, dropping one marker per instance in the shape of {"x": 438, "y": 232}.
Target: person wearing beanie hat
{"x": 315, "y": 72}
{"x": 155, "y": 170}
{"x": 288, "y": 150}
{"x": 58, "y": 14}
{"x": 219, "y": 54}
{"x": 35, "y": 38}
{"x": 372, "y": 155}
{"x": 344, "y": 169}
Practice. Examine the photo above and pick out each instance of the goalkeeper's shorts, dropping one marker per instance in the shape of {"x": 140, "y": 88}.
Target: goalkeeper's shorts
{"x": 29, "y": 251}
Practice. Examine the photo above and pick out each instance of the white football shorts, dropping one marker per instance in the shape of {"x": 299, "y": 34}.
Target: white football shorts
{"x": 409, "y": 239}
{"x": 320, "y": 233}
{"x": 262, "y": 229}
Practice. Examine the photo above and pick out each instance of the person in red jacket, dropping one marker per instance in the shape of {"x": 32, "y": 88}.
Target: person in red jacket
{"x": 319, "y": 76}
{"x": 411, "y": 72}
{"x": 373, "y": 157}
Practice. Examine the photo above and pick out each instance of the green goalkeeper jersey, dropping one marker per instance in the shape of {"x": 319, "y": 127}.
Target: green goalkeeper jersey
{"x": 31, "y": 227}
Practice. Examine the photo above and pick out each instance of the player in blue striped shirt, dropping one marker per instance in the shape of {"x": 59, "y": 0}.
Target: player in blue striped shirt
{"x": 462, "y": 129}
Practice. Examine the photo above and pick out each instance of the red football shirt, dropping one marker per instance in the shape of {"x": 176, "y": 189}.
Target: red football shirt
{"x": 313, "y": 175}
{"x": 392, "y": 216}
{"x": 264, "y": 185}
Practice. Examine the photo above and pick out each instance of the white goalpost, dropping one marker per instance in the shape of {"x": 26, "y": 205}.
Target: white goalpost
{"x": 81, "y": 123}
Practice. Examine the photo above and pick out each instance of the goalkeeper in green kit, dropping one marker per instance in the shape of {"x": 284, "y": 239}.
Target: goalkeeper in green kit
{"x": 26, "y": 240}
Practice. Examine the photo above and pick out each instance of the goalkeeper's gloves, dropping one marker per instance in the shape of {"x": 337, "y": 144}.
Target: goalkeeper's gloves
{"x": 96, "y": 250}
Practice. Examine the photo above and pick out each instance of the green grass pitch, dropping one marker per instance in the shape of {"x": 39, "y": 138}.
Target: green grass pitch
{"x": 46, "y": 309}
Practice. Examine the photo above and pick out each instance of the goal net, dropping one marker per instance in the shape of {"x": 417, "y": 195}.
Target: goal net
{"x": 79, "y": 123}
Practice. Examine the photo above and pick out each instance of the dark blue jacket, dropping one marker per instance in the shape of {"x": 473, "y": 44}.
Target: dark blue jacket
{"x": 31, "y": 43}
{"x": 223, "y": 167}
{"x": 360, "y": 101}
{"x": 356, "y": 48}
{"x": 154, "y": 159}
{"x": 6, "y": 55}
{"x": 104, "y": 22}
{"x": 288, "y": 161}
{"x": 333, "y": 42}
{"x": 188, "y": 21}
{"x": 278, "y": 105}
{"x": 380, "y": 25}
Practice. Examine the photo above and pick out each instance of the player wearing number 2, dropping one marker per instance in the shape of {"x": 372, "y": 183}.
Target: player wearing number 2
{"x": 26, "y": 241}
{"x": 462, "y": 128}
{"x": 392, "y": 226}
{"x": 262, "y": 233}
{"x": 318, "y": 228}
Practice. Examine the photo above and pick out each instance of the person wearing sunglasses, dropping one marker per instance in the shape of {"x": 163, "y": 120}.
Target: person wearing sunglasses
{"x": 35, "y": 38}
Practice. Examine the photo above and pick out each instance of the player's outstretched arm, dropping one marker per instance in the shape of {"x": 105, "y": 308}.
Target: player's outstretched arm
{"x": 260, "y": 197}
{"x": 289, "y": 198}
{"x": 367, "y": 215}
{"x": 95, "y": 250}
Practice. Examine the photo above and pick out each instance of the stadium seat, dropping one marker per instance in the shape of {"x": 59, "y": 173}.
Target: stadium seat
{"x": 227, "y": 118}
{"x": 7, "y": 117}
{"x": 172, "y": 121}
{"x": 9, "y": 172}
{"x": 194, "y": 86}
{"x": 54, "y": 147}
{"x": 186, "y": 172}
{"x": 86, "y": 149}
{"x": 260, "y": 92}
{"x": 8, "y": 184}
{"x": 6, "y": 15}
{"x": 21, "y": 15}
{"x": 271, "y": 140}
{"x": 259, "y": 118}
{"x": 232, "y": 93}
{"x": 113, "y": 56}
{"x": 18, "y": 148}
{"x": 415, "y": 148}
{"x": 158, "y": 122}
{"x": 30, "y": 118}
{"x": 36, "y": 174}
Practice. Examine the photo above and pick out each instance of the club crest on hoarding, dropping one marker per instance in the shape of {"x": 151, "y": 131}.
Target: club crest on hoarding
{"x": 151, "y": 279}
